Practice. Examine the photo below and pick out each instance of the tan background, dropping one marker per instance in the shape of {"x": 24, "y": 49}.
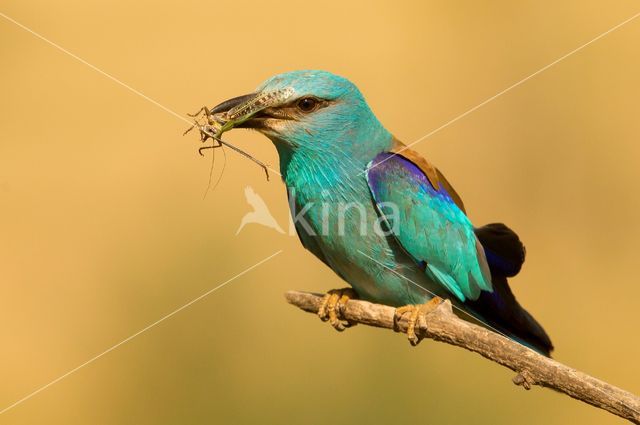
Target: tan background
{"x": 104, "y": 229}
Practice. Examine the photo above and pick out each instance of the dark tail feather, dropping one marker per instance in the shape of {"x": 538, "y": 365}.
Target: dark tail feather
{"x": 501, "y": 310}
{"x": 503, "y": 248}
{"x": 505, "y": 254}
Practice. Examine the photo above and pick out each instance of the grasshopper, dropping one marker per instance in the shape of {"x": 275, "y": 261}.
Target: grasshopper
{"x": 212, "y": 128}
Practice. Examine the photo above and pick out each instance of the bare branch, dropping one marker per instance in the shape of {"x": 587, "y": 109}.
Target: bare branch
{"x": 532, "y": 368}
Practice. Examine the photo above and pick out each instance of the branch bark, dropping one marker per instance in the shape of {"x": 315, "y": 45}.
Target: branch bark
{"x": 532, "y": 368}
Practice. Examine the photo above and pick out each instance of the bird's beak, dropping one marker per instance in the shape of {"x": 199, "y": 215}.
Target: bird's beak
{"x": 227, "y": 105}
{"x": 239, "y": 111}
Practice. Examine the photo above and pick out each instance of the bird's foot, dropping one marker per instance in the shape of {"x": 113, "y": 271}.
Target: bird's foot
{"x": 332, "y": 304}
{"x": 414, "y": 314}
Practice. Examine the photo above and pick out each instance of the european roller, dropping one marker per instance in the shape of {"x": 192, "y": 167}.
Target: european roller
{"x": 377, "y": 213}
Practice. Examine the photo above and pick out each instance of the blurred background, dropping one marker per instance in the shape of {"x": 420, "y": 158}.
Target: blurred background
{"x": 104, "y": 229}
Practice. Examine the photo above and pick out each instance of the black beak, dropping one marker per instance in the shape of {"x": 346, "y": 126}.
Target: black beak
{"x": 232, "y": 103}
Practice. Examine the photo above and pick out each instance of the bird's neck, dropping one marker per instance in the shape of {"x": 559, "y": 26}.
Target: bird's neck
{"x": 320, "y": 170}
{"x": 331, "y": 167}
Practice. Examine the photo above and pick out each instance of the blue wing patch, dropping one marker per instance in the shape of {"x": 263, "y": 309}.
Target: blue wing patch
{"x": 429, "y": 226}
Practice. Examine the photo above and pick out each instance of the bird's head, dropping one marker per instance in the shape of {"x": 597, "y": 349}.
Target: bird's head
{"x": 308, "y": 111}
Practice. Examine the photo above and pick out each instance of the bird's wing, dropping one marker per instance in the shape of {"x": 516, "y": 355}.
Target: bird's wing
{"x": 436, "y": 178}
{"x": 429, "y": 224}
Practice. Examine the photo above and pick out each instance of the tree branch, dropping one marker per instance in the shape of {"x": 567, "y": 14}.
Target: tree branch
{"x": 532, "y": 368}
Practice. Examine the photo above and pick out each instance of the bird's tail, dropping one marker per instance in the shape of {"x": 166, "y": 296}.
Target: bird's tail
{"x": 505, "y": 254}
{"x": 501, "y": 311}
{"x": 504, "y": 251}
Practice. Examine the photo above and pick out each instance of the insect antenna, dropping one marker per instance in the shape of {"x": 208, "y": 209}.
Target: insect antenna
{"x": 262, "y": 165}
{"x": 224, "y": 165}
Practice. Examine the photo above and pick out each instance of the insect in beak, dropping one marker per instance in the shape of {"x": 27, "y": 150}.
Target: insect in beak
{"x": 213, "y": 129}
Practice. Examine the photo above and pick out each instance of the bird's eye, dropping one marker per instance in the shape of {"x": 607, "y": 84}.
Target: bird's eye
{"x": 307, "y": 104}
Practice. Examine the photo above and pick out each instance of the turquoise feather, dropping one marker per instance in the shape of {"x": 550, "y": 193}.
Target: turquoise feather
{"x": 431, "y": 228}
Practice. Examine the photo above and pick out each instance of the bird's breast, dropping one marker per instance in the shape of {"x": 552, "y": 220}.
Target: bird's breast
{"x": 342, "y": 227}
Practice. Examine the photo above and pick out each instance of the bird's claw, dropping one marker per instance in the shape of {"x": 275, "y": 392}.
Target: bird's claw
{"x": 332, "y": 304}
{"x": 415, "y": 311}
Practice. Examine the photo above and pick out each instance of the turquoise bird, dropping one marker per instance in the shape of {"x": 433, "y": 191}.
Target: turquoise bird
{"x": 377, "y": 213}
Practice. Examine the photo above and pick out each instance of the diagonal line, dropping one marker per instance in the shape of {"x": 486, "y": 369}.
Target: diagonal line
{"x": 105, "y": 74}
{"x": 146, "y": 328}
{"x": 95, "y": 68}
{"x": 511, "y": 87}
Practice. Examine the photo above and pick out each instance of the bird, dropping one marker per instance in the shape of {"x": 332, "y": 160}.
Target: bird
{"x": 378, "y": 213}
{"x": 260, "y": 214}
